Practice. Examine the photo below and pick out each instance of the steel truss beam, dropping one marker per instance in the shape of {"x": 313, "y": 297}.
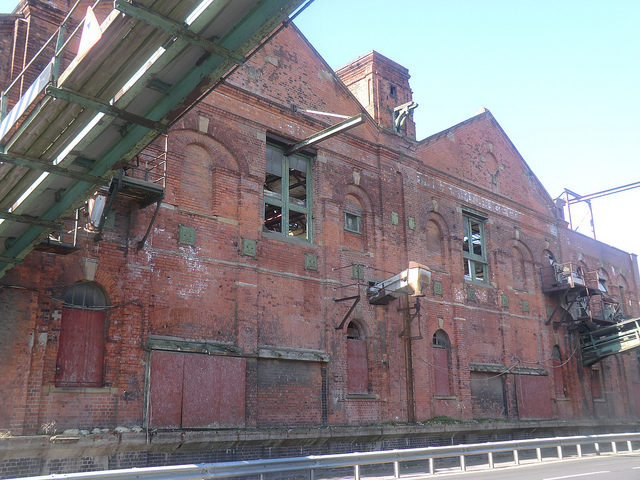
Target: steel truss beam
{"x": 44, "y": 166}
{"x": 28, "y": 219}
{"x": 327, "y": 133}
{"x": 100, "y": 106}
{"x": 176, "y": 29}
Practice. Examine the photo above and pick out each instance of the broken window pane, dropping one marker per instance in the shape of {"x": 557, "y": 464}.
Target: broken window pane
{"x": 273, "y": 177}
{"x": 473, "y": 249}
{"x": 298, "y": 181}
{"x": 272, "y": 218}
{"x": 287, "y": 209}
{"x": 297, "y": 224}
{"x": 479, "y": 271}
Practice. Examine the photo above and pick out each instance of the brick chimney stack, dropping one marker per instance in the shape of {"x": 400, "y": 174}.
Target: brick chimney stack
{"x": 381, "y": 85}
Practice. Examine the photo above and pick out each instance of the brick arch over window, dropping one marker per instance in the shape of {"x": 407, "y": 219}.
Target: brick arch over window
{"x": 521, "y": 263}
{"x": 357, "y": 219}
{"x": 80, "y": 357}
{"x": 436, "y": 239}
{"x": 210, "y": 174}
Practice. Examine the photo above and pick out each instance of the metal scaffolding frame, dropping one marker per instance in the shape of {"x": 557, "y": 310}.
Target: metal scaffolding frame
{"x": 91, "y": 111}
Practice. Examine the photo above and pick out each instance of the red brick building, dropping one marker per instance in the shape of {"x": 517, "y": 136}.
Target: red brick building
{"x": 233, "y": 314}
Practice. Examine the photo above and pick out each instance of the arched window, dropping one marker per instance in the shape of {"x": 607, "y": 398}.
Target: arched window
{"x": 435, "y": 250}
{"x": 81, "y": 341}
{"x": 441, "y": 363}
{"x": 558, "y": 373}
{"x": 357, "y": 371}
{"x": 517, "y": 268}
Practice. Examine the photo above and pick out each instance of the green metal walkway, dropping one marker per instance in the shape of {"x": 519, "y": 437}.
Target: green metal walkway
{"x": 618, "y": 338}
{"x": 92, "y": 110}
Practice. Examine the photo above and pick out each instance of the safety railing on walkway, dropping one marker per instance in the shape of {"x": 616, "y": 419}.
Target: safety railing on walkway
{"x": 316, "y": 463}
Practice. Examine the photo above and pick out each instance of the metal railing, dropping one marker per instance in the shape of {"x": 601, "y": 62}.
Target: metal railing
{"x": 314, "y": 463}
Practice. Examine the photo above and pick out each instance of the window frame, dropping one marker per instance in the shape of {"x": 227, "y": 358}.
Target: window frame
{"x": 284, "y": 202}
{"x": 471, "y": 259}
{"x": 358, "y": 217}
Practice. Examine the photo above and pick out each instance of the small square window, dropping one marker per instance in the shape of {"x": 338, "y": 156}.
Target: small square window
{"x": 352, "y": 222}
{"x": 437, "y": 287}
{"x": 525, "y": 306}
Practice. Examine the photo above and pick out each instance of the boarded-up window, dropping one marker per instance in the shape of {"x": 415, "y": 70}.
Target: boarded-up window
{"x": 533, "y": 394}
{"x": 289, "y": 393}
{"x": 357, "y": 371}
{"x": 81, "y": 342}
{"x": 558, "y": 373}
{"x": 441, "y": 363}
{"x": 434, "y": 243}
{"x": 195, "y": 390}
{"x": 517, "y": 268}
{"x": 487, "y": 395}
{"x": 196, "y": 179}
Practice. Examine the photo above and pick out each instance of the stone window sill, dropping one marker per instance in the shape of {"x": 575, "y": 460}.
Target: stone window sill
{"x": 361, "y": 396}
{"x": 94, "y": 390}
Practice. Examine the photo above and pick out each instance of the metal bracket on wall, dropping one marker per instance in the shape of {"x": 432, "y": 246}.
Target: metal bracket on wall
{"x": 413, "y": 313}
{"x": 153, "y": 218}
{"x": 356, "y": 299}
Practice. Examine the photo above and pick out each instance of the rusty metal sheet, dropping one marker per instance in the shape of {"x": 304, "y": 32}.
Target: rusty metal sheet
{"x": 80, "y": 349}
{"x": 165, "y": 389}
{"x": 534, "y": 396}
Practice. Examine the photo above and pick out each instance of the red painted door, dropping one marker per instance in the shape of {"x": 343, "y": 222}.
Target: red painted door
{"x": 357, "y": 373}
{"x": 80, "y": 348}
{"x": 441, "y": 371}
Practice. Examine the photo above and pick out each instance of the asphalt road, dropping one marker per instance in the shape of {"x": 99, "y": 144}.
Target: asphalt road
{"x": 613, "y": 467}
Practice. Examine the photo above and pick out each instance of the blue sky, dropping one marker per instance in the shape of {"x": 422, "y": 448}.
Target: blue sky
{"x": 561, "y": 78}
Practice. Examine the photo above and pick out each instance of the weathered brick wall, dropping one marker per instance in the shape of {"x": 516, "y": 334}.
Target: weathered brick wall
{"x": 209, "y": 297}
